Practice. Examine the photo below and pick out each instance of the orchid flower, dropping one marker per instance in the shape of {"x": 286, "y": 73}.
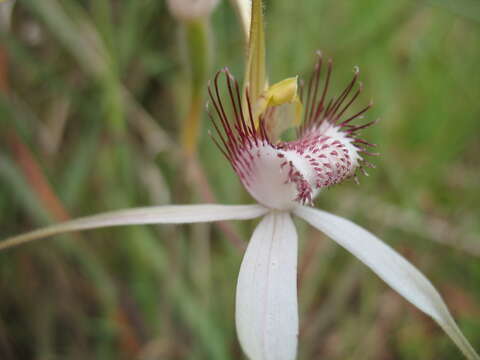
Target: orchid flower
{"x": 284, "y": 177}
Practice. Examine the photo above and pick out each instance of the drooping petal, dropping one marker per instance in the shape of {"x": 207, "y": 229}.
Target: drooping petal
{"x": 394, "y": 269}
{"x": 266, "y": 300}
{"x": 174, "y": 214}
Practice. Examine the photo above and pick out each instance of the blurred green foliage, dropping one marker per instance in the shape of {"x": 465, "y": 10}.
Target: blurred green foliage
{"x": 93, "y": 106}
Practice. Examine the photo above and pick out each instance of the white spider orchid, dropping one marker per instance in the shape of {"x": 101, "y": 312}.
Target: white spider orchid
{"x": 284, "y": 177}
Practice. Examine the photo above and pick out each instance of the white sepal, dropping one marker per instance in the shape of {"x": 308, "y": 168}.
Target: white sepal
{"x": 173, "y": 214}
{"x": 266, "y": 300}
{"x": 393, "y": 268}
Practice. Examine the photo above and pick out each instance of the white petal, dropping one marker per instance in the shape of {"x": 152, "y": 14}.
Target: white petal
{"x": 174, "y": 214}
{"x": 266, "y": 301}
{"x": 391, "y": 267}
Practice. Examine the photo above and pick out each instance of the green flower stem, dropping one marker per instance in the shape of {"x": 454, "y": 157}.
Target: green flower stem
{"x": 197, "y": 40}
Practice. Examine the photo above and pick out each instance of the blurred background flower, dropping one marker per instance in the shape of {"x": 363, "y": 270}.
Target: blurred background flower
{"x": 89, "y": 125}
{"x": 6, "y": 8}
{"x": 191, "y": 9}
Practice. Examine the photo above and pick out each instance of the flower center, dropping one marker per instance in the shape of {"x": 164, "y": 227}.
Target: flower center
{"x": 282, "y": 174}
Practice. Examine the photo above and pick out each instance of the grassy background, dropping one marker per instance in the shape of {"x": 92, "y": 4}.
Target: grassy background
{"x": 89, "y": 121}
